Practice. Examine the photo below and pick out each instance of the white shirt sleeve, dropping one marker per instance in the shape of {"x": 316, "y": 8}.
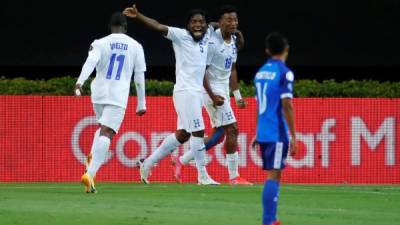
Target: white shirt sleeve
{"x": 91, "y": 62}
{"x": 210, "y": 52}
{"x": 140, "y": 62}
{"x": 234, "y": 59}
{"x": 140, "y": 91}
{"x": 175, "y": 34}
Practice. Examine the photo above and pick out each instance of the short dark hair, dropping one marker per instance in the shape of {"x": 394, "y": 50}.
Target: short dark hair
{"x": 194, "y": 12}
{"x": 276, "y": 43}
{"x": 226, "y": 9}
{"x": 118, "y": 20}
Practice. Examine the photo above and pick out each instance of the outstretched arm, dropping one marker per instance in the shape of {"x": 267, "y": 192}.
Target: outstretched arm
{"x": 133, "y": 12}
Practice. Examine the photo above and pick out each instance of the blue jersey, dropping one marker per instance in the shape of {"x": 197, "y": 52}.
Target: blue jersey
{"x": 274, "y": 81}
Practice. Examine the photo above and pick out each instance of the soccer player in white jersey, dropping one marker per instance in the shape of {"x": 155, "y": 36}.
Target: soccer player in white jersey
{"x": 190, "y": 46}
{"x": 221, "y": 70}
{"x": 115, "y": 58}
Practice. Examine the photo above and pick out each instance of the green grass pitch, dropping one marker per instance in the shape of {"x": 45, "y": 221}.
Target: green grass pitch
{"x": 188, "y": 204}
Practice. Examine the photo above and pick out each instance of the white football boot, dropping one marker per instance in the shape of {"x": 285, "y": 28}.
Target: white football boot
{"x": 206, "y": 180}
{"x": 144, "y": 173}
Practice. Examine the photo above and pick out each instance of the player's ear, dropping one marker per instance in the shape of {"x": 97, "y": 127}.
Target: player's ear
{"x": 267, "y": 51}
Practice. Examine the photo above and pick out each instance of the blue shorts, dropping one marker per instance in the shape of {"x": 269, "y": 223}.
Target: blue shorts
{"x": 274, "y": 154}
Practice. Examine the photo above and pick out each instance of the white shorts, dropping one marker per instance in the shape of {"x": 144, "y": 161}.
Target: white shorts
{"x": 219, "y": 115}
{"x": 188, "y": 105}
{"x": 109, "y": 115}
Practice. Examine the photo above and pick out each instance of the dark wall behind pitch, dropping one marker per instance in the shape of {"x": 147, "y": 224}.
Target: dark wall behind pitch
{"x": 324, "y": 33}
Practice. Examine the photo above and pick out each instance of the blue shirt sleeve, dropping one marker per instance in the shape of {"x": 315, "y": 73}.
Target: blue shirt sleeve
{"x": 287, "y": 84}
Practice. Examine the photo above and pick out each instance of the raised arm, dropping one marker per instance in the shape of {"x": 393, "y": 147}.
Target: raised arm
{"x": 133, "y": 12}
{"x": 289, "y": 115}
{"x": 239, "y": 40}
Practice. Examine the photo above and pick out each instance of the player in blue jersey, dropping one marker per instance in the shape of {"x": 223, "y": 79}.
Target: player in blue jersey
{"x": 275, "y": 117}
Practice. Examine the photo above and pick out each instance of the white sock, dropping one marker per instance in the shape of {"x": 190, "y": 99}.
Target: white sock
{"x": 168, "y": 145}
{"x": 186, "y": 158}
{"x": 100, "y": 148}
{"x": 233, "y": 165}
{"x": 199, "y": 152}
{"x": 96, "y": 135}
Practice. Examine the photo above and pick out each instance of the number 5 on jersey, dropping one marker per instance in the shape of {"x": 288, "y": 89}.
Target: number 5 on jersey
{"x": 120, "y": 59}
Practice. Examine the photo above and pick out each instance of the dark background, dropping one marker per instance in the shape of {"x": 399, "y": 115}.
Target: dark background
{"x": 329, "y": 39}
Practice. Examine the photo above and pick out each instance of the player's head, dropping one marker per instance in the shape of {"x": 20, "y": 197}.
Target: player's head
{"x": 277, "y": 45}
{"x": 228, "y": 19}
{"x": 118, "y": 23}
{"x": 196, "y": 24}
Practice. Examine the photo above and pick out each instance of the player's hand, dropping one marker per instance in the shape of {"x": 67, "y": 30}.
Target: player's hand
{"x": 131, "y": 12}
{"x": 141, "y": 112}
{"x": 78, "y": 90}
{"x": 254, "y": 144}
{"x": 292, "y": 147}
{"x": 218, "y": 100}
{"x": 241, "y": 103}
{"x": 239, "y": 39}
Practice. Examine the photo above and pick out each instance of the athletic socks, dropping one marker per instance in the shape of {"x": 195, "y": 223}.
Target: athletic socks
{"x": 270, "y": 201}
{"x": 199, "y": 153}
{"x": 233, "y": 165}
{"x": 99, "y": 149}
{"x": 186, "y": 157}
{"x": 168, "y": 145}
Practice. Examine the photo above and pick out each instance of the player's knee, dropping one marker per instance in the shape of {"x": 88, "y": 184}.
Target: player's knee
{"x": 274, "y": 174}
{"x": 106, "y": 131}
{"x": 182, "y": 136}
{"x": 232, "y": 130}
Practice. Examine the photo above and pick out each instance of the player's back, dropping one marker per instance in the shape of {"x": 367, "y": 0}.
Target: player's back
{"x": 273, "y": 82}
{"x": 120, "y": 55}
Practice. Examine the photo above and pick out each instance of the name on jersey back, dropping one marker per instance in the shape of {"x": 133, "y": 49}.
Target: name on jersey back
{"x": 120, "y": 46}
{"x": 268, "y": 75}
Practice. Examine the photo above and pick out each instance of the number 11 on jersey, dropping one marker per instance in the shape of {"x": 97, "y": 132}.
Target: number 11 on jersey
{"x": 120, "y": 59}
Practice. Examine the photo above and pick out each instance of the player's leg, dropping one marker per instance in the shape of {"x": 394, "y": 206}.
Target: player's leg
{"x": 232, "y": 155}
{"x": 194, "y": 123}
{"x": 273, "y": 155}
{"x": 89, "y": 156}
{"x": 169, "y": 144}
{"x": 110, "y": 118}
{"x": 216, "y": 137}
{"x": 270, "y": 196}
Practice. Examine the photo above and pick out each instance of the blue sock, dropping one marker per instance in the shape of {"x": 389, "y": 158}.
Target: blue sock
{"x": 270, "y": 201}
{"x": 218, "y": 133}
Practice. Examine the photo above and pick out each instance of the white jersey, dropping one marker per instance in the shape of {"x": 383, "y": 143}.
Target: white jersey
{"x": 191, "y": 58}
{"x": 116, "y": 57}
{"x": 221, "y": 56}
